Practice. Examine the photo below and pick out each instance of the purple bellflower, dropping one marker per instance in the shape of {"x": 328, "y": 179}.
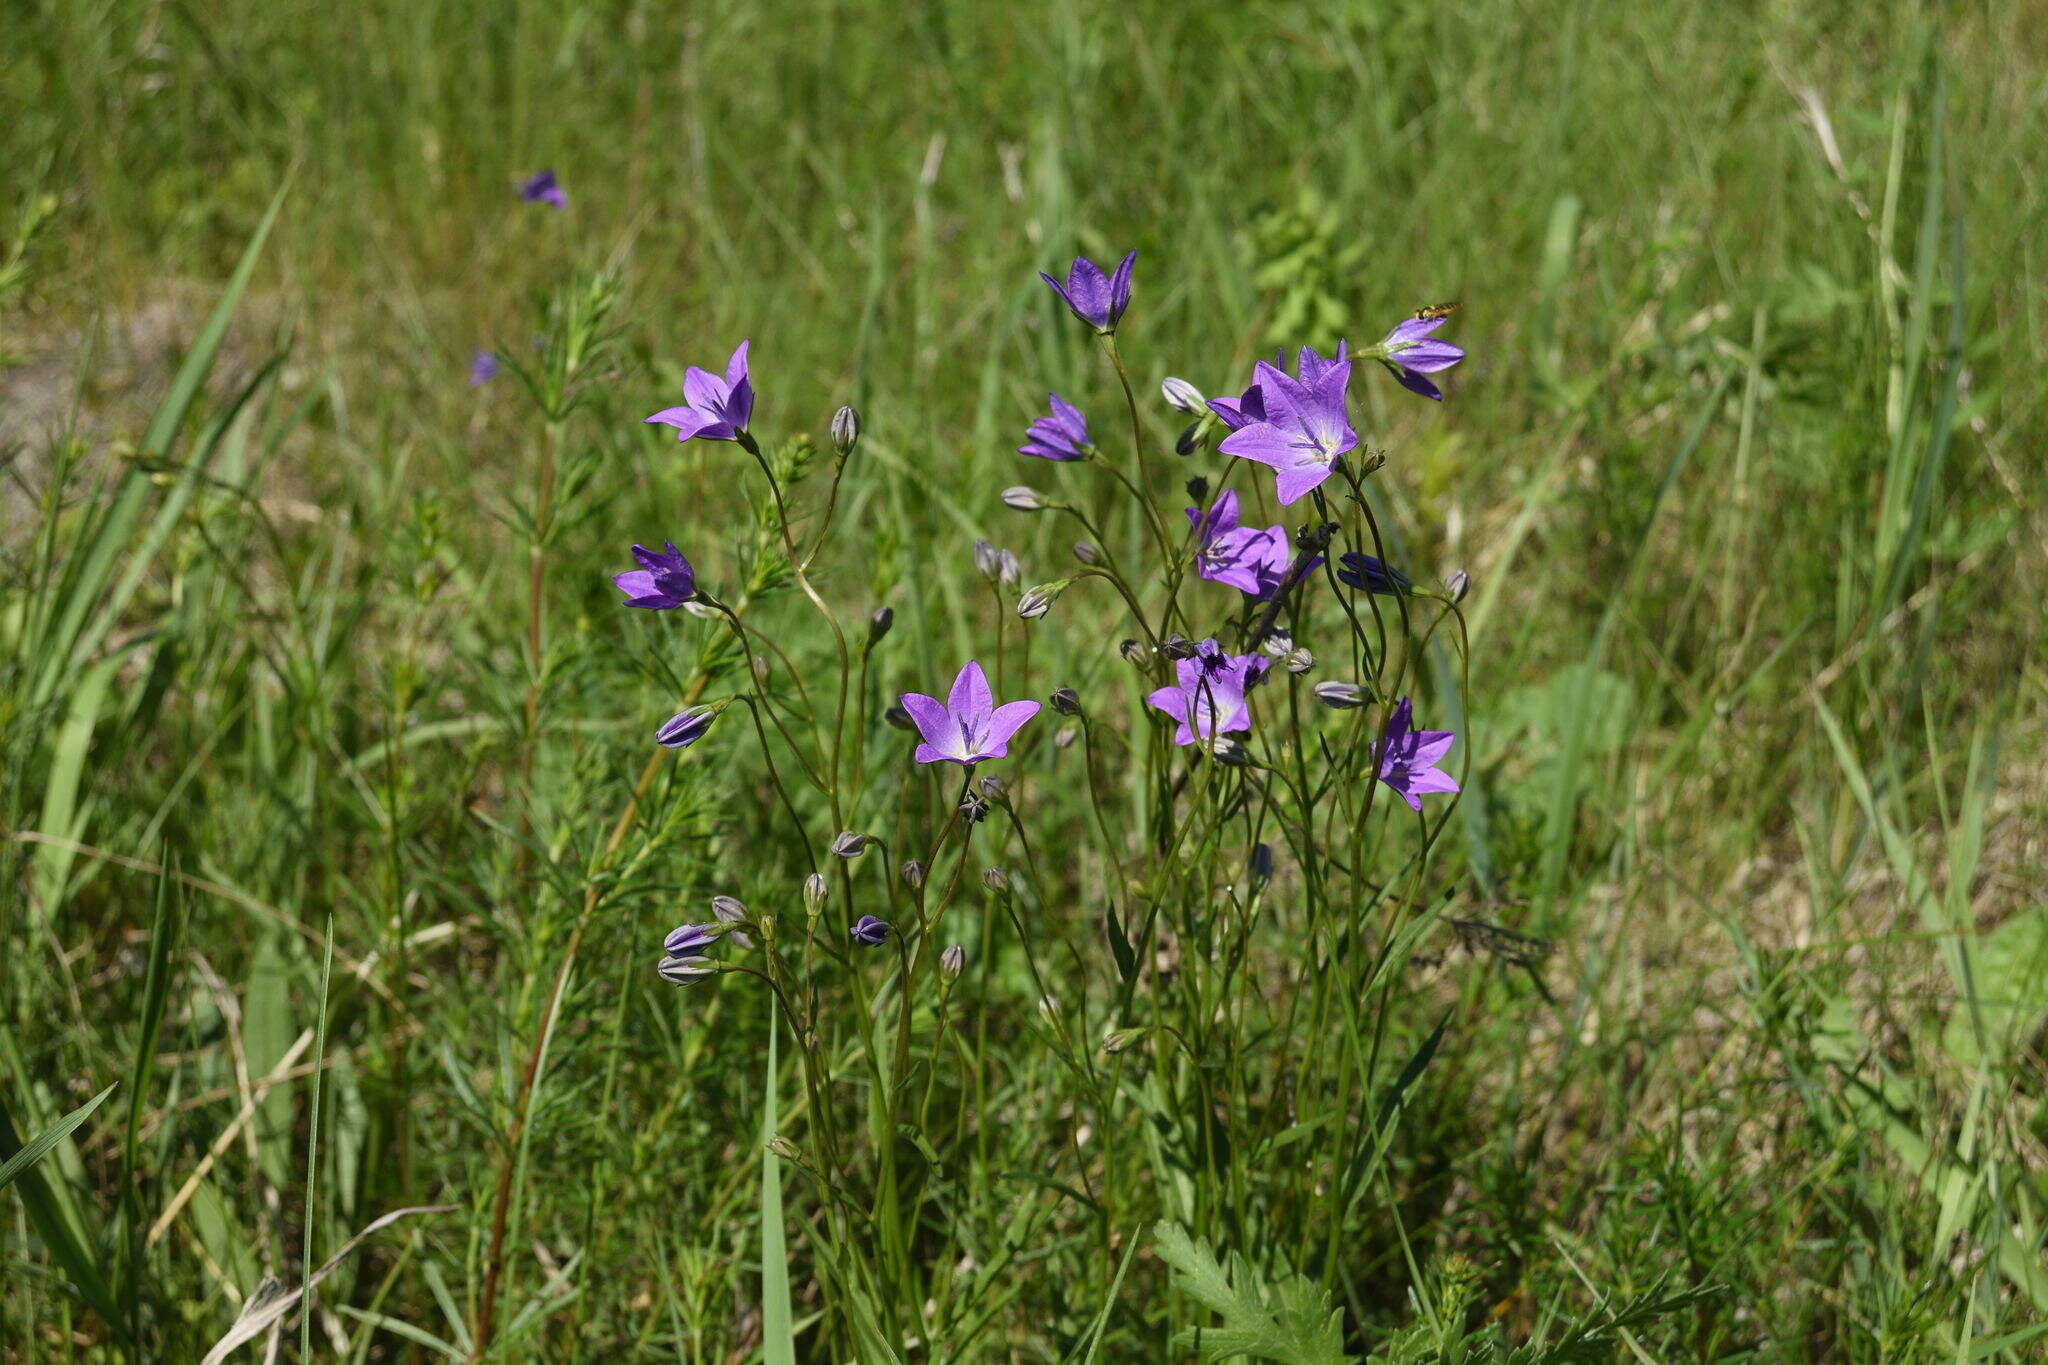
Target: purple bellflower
{"x": 1368, "y": 574}
{"x": 968, "y": 726}
{"x": 718, "y": 409}
{"x": 1254, "y": 562}
{"x": 483, "y": 368}
{"x": 662, "y": 580}
{"x": 1302, "y": 429}
{"x": 685, "y": 729}
{"x": 1207, "y": 697}
{"x": 1412, "y": 353}
{"x": 1408, "y": 763}
{"x": 1097, "y": 299}
{"x": 543, "y": 188}
{"x": 870, "y": 932}
{"x": 1062, "y": 436}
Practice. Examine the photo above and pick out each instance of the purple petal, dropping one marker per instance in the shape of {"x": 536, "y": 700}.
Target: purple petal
{"x": 971, "y": 700}
{"x": 705, "y": 390}
{"x": 1172, "y": 700}
{"x": 1264, "y": 444}
{"x": 1004, "y": 722}
{"x": 736, "y": 367}
{"x": 637, "y": 584}
{"x": 1429, "y": 357}
{"x": 1416, "y": 383}
{"x": 1435, "y": 780}
{"x": 1430, "y": 747}
{"x": 934, "y": 722}
{"x": 1413, "y": 329}
{"x": 1292, "y": 485}
{"x": 1120, "y": 287}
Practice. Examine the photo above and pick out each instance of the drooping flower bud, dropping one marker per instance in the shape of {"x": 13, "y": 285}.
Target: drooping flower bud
{"x": 1020, "y": 498}
{"x": 996, "y": 879}
{"x": 688, "y": 940}
{"x": 952, "y": 960}
{"x": 849, "y": 844}
{"x": 845, "y": 431}
{"x": 1085, "y": 551}
{"x": 913, "y": 874}
{"x": 1039, "y": 600}
{"x": 1190, "y": 440}
{"x": 1133, "y": 652}
{"x": 870, "y": 932}
{"x": 1457, "y": 585}
{"x": 1340, "y": 696}
{"x": 1198, "y": 489}
{"x": 879, "y": 623}
{"x": 685, "y": 729}
{"x": 686, "y": 971}
{"x": 991, "y": 786}
{"x": 1066, "y": 701}
{"x": 1117, "y": 1040}
{"x": 779, "y": 1144}
{"x": 898, "y": 717}
{"x": 1182, "y": 396}
{"x": 729, "y": 910}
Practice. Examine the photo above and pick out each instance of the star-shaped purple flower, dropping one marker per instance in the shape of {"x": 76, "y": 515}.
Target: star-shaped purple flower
{"x": 870, "y": 932}
{"x": 1413, "y": 353}
{"x": 662, "y": 580}
{"x": 1303, "y": 429}
{"x": 1207, "y": 697}
{"x": 968, "y": 726}
{"x": 483, "y": 368}
{"x": 543, "y": 188}
{"x": 719, "y": 409}
{"x": 1408, "y": 762}
{"x": 1244, "y": 557}
{"x": 1097, "y": 299}
{"x": 1062, "y": 436}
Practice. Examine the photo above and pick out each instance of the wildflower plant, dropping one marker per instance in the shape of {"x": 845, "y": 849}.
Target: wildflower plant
{"x": 1209, "y": 742}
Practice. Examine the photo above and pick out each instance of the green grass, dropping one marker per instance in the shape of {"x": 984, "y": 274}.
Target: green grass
{"x": 1720, "y": 1036}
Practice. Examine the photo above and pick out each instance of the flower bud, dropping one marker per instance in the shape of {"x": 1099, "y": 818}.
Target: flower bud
{"x": 1340, "y": 696}
{"x": 1178, "y": 647}
{"x": 1262, "y": 865}
{"x": 952, "y": 960}
{"x": 996, "y": 879}
{"x": 870, "y": 932}
{"x": 1457, "y": 585}
{"x": 728, "y": 910}
{"x": 1039, "y": 600}
{"x": 898, "y": 717}
{"x": 913, "y": 874}
{"x": 879, "y": 623}
{"x": 1189, "y": 441}
{"x": 849, "y": 844}
{"x": 689, "y": 940}
{"x": 1064, "y": 737}
{"x": 1133, "y": 652}
{"x": 779, "y": 1144}
{"x": 1298, "y": 661}
{"x": 1066, "y": 701}
{"x": 1117, "y": 1040}
{"x": 1198, "y": 488}
{"x": 1019, "y": 498}
{"x": 686, "y": 971}
{"x": 1278, "y": 642}
{"x": 973, "y": 808}
{"x": 1183, "y": 396}
{"x": 845, "y": 431}
{"x": 1007, "y": 571}
{"x": 1085, "y": 551}
{"x": 1230, "y": 753}
{"x": 761, "y": 666}
{"x": 991, "y": 786}
{"x": 1049, "y": 1007}
{"x": 986, "y": 559}
{"x": 815, "y": 892}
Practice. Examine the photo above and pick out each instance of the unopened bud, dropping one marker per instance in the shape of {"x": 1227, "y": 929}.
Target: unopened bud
{"x": 1230, "y": 753}
{"x": 1007, "y": 571}
{"x": 1085, "y": 551}
{"x": 849, "y": 844}
{"x": 952, "y": 960}
{"x": 1183, "y": 396}
{"x": 1066, "y": 701}
{"x": 913, "y": 874}
{"x": 991, "y": 786}
{"x": 996, "y": 879}
{"x": 815, "y": 891}
{"x": 1049, "y": 1007}
{"x": 1198, "y": 488}
{"x": 1278, "y": 642}
{"x": 729, "y": 910}
{"x": 761, "y": 666}
{"x": 779, "y": 1144}
{"x": 898, "y": 717}
{"x": 1457, "y": 585}
{"x": 1019, "y": 498}
{"x": 1298, "y": 661}
{"x": 1189, "y": 441}
{"x": 1133, "y": 652}
{"x": 973, "y": 808}
{"x": 845, "y": 431}
{"x": 879, "y": 623}
{"x": 1117, "y": 1040}
{"x": 1340, "y": 696}
{"x": 1262, "y": 865}
{"x": 1178, "y": 647}
{"x": 1039, "y": 600}
{"x": 1064, "y": 737}
{"x": 986, "y": 562}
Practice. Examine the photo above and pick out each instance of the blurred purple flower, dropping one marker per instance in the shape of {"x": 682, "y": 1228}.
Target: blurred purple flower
{"x": 483, "y": 368}
{"x": 870, "y": 932}
{"x": 1303, "y": 429}
{"x": 968, "y": 726}
{"x": 718, "y": 409}
{"x": 1413, "y": 353}
{"x": 1062, "y": 436}
{"x": 1368, "y": 574}
{"x": 543, "y": 188}
{"x": 662, "y": 580}
{"x": 1096, "y": 299}
{"x": 1207, "y": 697}
{"x": 1408, "y": 760}
{"x": 685, "y": 729}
